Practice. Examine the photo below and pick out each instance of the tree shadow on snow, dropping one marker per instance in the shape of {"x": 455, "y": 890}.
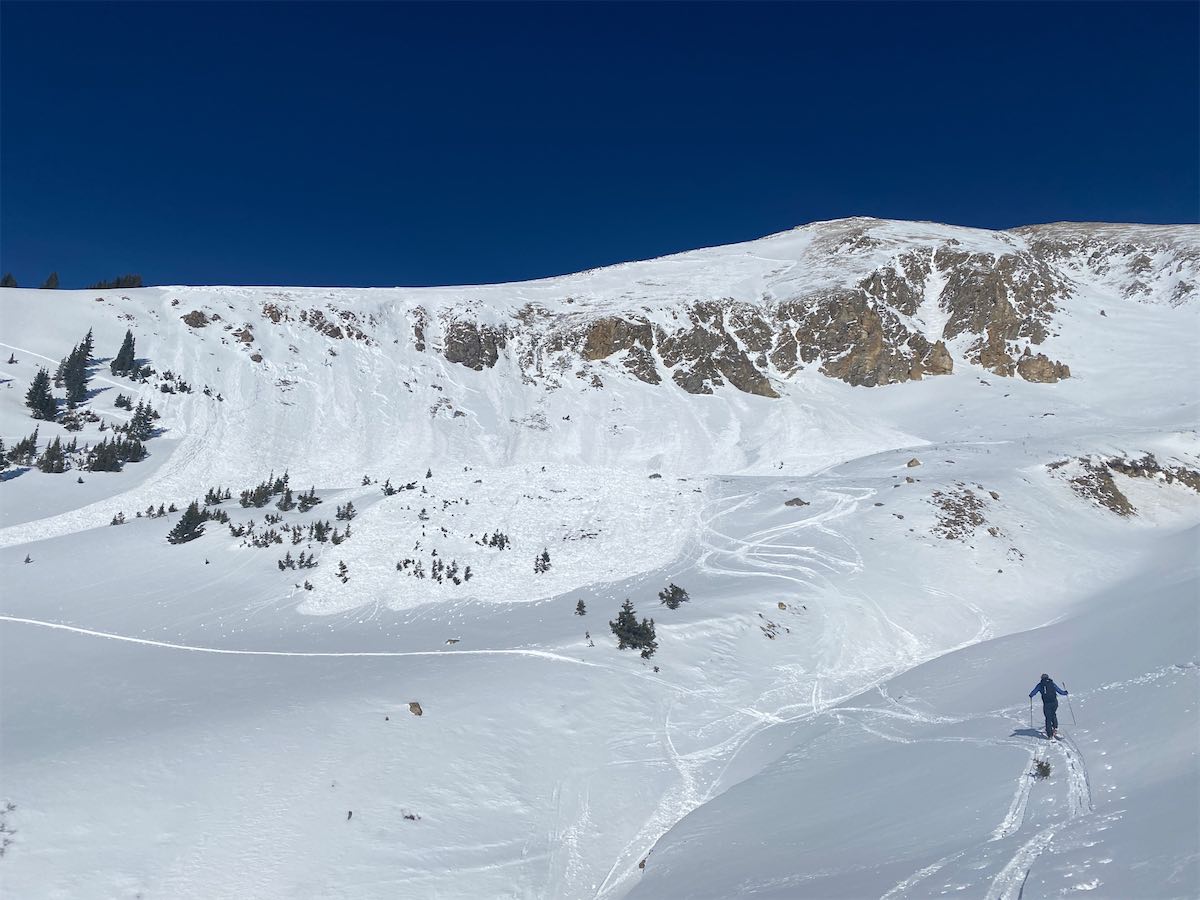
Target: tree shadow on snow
{"x": 10, "y": 474}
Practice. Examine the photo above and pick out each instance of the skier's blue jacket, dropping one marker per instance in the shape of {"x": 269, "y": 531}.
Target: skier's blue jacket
{"x": 1048, "y": 690}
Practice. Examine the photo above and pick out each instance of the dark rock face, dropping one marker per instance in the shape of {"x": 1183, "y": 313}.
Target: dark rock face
{"x": 608, "y": 336}
{"x": 861, "y": 342}
{"x": 420, "y": 319}
{"x": 706, "y": 353}
{"x": 474, "y": 346}
{"x": 1006, "y": 300}
{"x": 902, "y": 292}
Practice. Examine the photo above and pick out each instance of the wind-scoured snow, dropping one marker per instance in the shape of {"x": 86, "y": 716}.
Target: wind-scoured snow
{"x": 839, "y": 710}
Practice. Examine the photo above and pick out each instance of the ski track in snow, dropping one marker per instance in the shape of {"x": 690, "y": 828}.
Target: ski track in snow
{"x": 540, "y": 654}
{"x": 1016, "y": 812}
{"x": 1009, "y": 883}
{"x": 769, "y": 553}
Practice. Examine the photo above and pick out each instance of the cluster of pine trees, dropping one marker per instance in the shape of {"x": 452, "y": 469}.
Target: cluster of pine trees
{"x": 51, "y": 282}
{"x": 541, "y": 563}
{"x": 72, "y": 374}
{"x": 498, "y": 541}
{"x": 439, "y": 570}
{"x": 111, "y": 454}
{"x": 24, "y": 451}
{"x": 260, "y": 495}
{"x": 190, "y": 525}
{"x": 54, "y": 457}
{"x": 216, "y": 496}
{"x": 303, "y": 561}
{"x": 107, "y": 456}
{"x": 172, "y": 382}
{"x": 121, "y": 281}
{"x": 141, "y": 425}
{"x": 632, "y": 634}
{"x": 672, "y": 595}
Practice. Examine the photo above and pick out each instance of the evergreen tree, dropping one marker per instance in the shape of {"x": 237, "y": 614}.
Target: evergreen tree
{"x": 580, "y": 608}
{"x": 51, "y": 283}
{"x": 672, "y": 595}
{"x": 109, "y": 455}
{"x": 24, "y": 450}
{"x": 53, "y": 459}
{"x": 3, "y": 456}
{"x": 189, "y": 527}
{"x": 342, "y": 572}
{"x": 632, "y": 634}
{"x": 39, "y": 399}
{"x": 88, "y": 345}
{"x": 74, "y": 374}
{"x": 141, "y": 426}
{"x": 124, "y": 363}
{"x": 8, "y": 280}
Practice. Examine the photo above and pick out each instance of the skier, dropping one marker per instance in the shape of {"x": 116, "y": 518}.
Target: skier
{"x": 1049, "y": 691}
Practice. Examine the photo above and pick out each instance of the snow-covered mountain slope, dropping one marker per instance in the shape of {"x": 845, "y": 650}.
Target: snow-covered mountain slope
{"x": 901, "y": 469}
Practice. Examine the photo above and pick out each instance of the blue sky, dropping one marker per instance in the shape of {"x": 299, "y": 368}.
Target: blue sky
{"x": 385, "y": 144}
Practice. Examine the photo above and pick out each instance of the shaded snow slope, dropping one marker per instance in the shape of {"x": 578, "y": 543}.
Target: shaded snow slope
{"x": 877, "y": 577}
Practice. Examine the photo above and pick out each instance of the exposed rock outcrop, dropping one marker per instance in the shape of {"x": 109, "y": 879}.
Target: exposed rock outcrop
{"x": 881, "y": 305}
{"x": 474, "y": 346}
{"x": 1039, "y": 368}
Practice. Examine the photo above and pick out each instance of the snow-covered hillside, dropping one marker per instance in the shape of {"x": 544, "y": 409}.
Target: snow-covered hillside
{"x": 900, "y": 468}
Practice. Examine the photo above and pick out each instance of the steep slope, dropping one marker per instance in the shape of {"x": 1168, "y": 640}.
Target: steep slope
{"x": 757, "y": 423}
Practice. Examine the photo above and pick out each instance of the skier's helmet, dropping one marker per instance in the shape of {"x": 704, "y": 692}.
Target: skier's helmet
{"x": 1045, "y": 677}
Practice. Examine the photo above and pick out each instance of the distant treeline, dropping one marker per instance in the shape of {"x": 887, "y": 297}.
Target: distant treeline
{"x": 51, "y": 283}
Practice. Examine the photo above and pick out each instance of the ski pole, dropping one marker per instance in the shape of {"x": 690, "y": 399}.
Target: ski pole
{"x": 1069, "y": 706}
{"x": 1030, "y": 712}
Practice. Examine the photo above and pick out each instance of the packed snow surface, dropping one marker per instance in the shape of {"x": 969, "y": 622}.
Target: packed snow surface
{"x": 839, "y": 710}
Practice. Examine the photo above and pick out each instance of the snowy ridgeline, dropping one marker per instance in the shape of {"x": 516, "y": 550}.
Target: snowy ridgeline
{"x": 399, "y": 672}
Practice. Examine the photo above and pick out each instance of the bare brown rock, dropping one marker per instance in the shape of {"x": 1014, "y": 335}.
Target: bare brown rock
{"x": 195, "y": 319}
{"x": 607, "y": 336}
{"x": 472, "y": 345}
{"x": 1041, "y": 369}
{"x": 415, "y": 708}
{"x": 938, "y": 360}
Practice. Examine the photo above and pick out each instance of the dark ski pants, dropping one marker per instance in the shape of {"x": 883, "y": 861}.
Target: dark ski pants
{"x": 1051, "y": 712}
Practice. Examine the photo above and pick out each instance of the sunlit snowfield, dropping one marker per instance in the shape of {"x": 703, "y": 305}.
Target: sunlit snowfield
{"x": 839, "y": 710}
